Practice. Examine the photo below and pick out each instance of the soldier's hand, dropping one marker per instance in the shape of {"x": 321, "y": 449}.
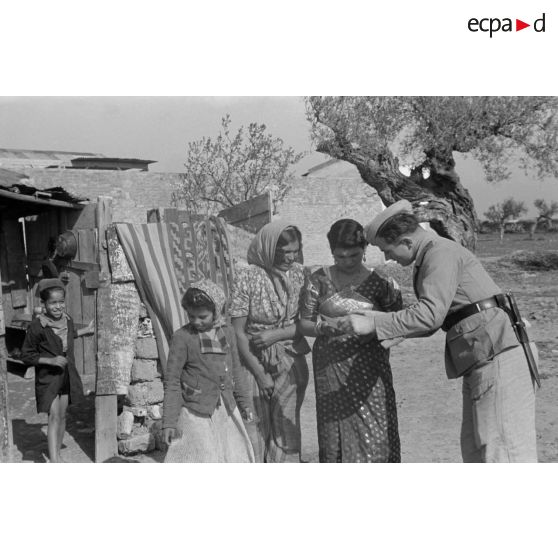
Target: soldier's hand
{"x": 388, "y": 343}
{"x": 361, "y": 324}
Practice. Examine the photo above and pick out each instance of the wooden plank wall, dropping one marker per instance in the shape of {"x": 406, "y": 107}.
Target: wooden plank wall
{"x": 87, "y": 252}
{"x": 105, "y": 405}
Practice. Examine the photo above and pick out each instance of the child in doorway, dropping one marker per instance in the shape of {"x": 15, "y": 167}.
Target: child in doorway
{"x": 203, "y": 384}
{"x": 49, "y": 347}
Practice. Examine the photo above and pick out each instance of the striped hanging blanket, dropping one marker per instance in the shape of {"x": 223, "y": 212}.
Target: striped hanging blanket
{"x": 166, "y": 258}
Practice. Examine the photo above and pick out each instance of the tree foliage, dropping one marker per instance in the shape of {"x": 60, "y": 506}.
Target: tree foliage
{"x": 404, "y": 146}
{"x": 502, "y": 212}
{"x": 235, "y": 167}
{"x": 507, "y": 210}
{"x": 546, "y": 210}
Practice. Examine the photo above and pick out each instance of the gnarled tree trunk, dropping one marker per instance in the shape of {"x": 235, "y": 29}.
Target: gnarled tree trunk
{"x": 438, "y": 196}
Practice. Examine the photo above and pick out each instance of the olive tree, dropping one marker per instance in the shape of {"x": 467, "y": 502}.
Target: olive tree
{"x": 546, "y": 211}
{"x": 404, "y": 147}
{"x": 500, "y": 213}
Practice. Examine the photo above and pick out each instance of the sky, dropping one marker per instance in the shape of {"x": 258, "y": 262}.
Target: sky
{"x": 159, "y": 128}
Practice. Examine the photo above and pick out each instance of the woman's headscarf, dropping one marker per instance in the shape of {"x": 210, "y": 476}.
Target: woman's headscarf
{"x": 261, "y": 252}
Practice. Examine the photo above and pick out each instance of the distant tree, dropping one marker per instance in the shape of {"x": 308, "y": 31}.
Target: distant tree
{"x": 502, "y": 212}
{"x": 382, "y": 136}
{"x": 546, "y": 211}
{"x": 235, "y": 167}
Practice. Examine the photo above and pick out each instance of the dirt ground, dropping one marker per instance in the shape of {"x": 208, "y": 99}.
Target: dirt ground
{"x": 429, "y": 405}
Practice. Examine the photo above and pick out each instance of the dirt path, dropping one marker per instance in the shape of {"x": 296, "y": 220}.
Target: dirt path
{"x": 30, "y": 428}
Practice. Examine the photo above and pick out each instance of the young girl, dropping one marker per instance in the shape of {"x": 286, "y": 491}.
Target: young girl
{"x": 201, "y": 421}
{"x": 49, "y": 347}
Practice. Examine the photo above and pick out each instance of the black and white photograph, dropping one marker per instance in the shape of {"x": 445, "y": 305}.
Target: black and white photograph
{"x": 278, "y": 279}
{"x": 342, "y": 279}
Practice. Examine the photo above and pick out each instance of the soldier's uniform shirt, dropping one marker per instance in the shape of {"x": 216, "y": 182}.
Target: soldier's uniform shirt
{"x": 447, "y": 277}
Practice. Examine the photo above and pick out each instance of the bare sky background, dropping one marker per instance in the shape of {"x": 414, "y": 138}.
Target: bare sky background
{"x": 160, "y": 128}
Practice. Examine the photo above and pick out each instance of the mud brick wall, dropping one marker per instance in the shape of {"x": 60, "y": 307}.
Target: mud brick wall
{"x": 133, "y": 192}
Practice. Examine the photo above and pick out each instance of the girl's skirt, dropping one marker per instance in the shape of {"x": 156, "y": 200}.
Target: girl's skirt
{"x": 221, "y": 438}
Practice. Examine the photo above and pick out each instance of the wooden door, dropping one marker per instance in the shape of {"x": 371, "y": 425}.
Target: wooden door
{"x": 81, "y": 300}
{"x": 13, "y": 266}
{"x": 41, "y": 231}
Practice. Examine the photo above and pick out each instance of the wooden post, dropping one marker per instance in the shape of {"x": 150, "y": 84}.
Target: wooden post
{"x": 5, "y": 424}
{"x": 105, "y": 405}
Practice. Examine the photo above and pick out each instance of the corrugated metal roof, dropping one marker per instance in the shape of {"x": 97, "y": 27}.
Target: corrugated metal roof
{"x": 17, "y": 187}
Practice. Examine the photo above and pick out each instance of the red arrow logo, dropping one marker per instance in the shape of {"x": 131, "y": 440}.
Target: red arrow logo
{"x": 519, "y": 25}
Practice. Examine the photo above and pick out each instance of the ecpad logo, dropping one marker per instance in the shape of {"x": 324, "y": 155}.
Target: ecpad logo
{"x": 492, "y": 25}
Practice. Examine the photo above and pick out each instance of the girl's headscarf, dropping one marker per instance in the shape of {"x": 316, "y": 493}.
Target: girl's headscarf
{"x": 213, "y": 343}
{"x": 217, "y": 296}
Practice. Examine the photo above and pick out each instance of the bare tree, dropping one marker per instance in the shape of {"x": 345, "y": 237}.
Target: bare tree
{"x": 235, "y": 167}
{"x": 404, "y": 147}
{"x": 505, "y": 211}
{"x": 546, "y": 211}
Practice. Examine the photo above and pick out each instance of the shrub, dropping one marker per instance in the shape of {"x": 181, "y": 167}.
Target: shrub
{"x": 541, "y": 260}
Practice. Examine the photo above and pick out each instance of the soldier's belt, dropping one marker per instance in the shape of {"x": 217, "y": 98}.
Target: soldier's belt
{"x": 497, "y": 301}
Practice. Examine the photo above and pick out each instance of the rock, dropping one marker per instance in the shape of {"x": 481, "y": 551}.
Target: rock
{"x": 142, "y": 310}
{"x": 145, "y": 393}
{"x": 154, "y": 412}
{"x": 156, "y": 430}
{"x": 124, "y": 425}
{"x": 146, "y": 347}
{"x": 144, "y": 370}
{"x": 136, "y": 411}
{"x": 136, "y": 444}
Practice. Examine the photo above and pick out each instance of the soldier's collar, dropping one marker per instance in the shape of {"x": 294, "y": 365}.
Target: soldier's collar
{"x": 425, "y": 243}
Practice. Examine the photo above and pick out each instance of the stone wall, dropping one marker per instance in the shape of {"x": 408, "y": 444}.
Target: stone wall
{"x": 140, "y": 411}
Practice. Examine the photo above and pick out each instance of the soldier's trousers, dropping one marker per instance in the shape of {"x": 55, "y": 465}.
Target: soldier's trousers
{"x": 499, "y": 411}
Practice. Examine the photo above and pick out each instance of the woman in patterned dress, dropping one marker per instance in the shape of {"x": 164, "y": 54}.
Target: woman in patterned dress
{"x": 264, "y": 311}
{"x": 355, "y": 400}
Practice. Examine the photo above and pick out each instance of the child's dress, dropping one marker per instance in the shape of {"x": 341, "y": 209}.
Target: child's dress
{"x": 201, "y": 392}
{"x": 50, "y": 381}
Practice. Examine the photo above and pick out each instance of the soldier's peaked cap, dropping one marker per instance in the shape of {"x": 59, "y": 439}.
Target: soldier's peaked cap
{"x": 371, "y": 230}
